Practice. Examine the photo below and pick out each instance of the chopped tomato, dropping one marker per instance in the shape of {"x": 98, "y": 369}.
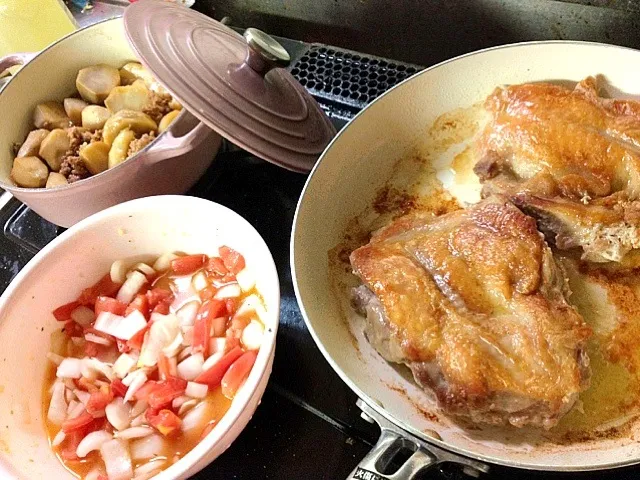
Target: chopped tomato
{"x": 215, "y": 265}
{"x": 104, "y": 287}
{"x": 232, "y": 259}
{"x": 206, "y": 430}
{"x": 165, "y": 421}
{"x": 163, "y": 306}
{"x": 145, "y": 390}
{"x": 140, "y": 303}
{"x": 72, "y": 329}
{"x": 238, "y": 373}
{"x": 232, "y": 305}
{"x": 91, "y": 349}
{"x": 207, "y": 293}
{"x": 70, "y": 445}
{"x": 81, "y": 421}
{"x": 99, "y": 400}
{"x": 118, "y": 388}
{"x": 202, "y": 327}
{"x": 63, "y": 313}
{"x": 187, "y": 264}
{"x": 108, "y": 304}
{"x": 123, "y": 345}
{"x": 232, "y": 342}
{"x": 167, "y": 367}
{"x": 213, "y": 376}
{"x": 156, "y": 295}
{"x": 166, "y": 391}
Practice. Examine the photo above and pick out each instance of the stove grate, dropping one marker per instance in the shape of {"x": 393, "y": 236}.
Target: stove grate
{"x": 346, "y": 77}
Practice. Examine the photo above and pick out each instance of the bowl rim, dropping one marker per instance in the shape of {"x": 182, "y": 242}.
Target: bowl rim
{"x": 8, "y": 185}
{"x": 263, "y": 362}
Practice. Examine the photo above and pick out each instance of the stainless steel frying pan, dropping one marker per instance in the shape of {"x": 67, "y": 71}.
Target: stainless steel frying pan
{"x": 343, "y": 185}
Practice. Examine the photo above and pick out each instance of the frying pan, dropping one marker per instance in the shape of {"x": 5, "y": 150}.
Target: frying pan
{"x": 343, "y": 185}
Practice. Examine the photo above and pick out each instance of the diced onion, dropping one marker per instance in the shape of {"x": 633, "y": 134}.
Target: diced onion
{"x": 252, "y": 335}
{"x": 139, "y": 407}
{"x": 134, "y": 432}
{"x": 59, "y": 438}
{"x": 93, "y": 441}
{"x": 149, "y": 469}
{"x": 78, "y": 410}
{"x": 252, "y": 304}
{"x": 174, "y": 347}
{"x": 196, "y": 390}
{"x": 162, "y": 333}
{"x": 118, "y": 272}
{"x": 73, "y": 404}
{"x": 94, "y": 474}
{"x": 147, "y": 447}
{"x": 55, "y": 358}
{"x": 194, "y": 417}
{"x": 217, "y": 344}
{"x": 57, "y": 412}
{"x": 91, "y": 367}
{"x": 231, "y": 290}
{"x": 199, "y": 281}
{"x": 186, "y": 406}
{"x": 144, "y": 269}
{"x": 131, "y": 287}
{"x": 120, "y": 327}
{"x": 186, "y": 351}
{"x": 123, "y": 365}
{"x": 191, "y": 367}
{"x": 178, "y": 401}
{"x": 100, "y": 340}
{"x": 118, "y": 413}
{"x": 139, "y": 379}
{"x": 139, "y": 420}
{"x": 246, "y": 279}
{"x": 83, "y": 316}
{"x": 187, "y": 335}
{"x": 68, "y": 395}
{"x": 187, "y": 314}
{"x": 82, "y": 396}
{"x": 69, "y": 368}
{"x": 164, "y": 262}
{"x": 116, "y": 459}
{"x": 212, "y": 360}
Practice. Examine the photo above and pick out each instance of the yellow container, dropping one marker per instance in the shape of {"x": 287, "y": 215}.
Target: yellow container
{"x": 31, "y": 25}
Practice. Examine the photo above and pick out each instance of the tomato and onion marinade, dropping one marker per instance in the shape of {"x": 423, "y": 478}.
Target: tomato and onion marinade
{"x": 148, "y": 361}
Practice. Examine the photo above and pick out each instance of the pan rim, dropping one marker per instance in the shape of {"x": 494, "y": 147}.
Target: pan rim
{"x": 352, "y": 385}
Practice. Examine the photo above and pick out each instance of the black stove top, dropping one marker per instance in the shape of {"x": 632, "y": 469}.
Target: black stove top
{"x": 308, "y": 425}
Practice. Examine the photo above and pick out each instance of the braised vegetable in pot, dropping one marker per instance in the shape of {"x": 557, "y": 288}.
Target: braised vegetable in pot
{"x": 119, "y": 113}
{"x": 148, "y": 361}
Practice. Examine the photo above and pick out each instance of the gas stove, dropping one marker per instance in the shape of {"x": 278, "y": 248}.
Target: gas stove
{"x": 308, "y": 425}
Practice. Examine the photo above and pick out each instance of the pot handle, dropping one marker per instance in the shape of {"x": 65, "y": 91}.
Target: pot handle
{"x": 12, "y": 60}
{"x": 173, "y": 146}
{"x": 393, "y": 439}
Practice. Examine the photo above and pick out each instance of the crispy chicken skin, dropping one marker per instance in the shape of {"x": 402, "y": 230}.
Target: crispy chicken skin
{"x": 566, "y": 156}
{"x": 474, "y": 304}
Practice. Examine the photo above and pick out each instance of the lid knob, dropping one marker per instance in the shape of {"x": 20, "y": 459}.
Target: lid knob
{"x": 264, "y": 52}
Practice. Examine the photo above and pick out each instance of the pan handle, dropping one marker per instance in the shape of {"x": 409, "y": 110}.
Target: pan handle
{"x": 392, "y": 440}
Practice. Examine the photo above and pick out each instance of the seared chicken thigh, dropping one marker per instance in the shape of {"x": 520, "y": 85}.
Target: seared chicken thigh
{"x": 475, "y": 305}
{"x": 571, "y": 159}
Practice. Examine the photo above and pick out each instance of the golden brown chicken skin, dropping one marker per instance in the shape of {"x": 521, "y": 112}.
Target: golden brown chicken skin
{"x": 475, "y": 305}
{"x": 565, "y": 156}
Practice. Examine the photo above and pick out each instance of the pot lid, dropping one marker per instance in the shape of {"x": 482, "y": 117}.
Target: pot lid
{"x": 230, "y": 82}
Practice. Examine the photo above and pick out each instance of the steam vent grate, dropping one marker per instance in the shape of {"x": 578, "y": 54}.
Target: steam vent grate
{"x": 346, "y": 77}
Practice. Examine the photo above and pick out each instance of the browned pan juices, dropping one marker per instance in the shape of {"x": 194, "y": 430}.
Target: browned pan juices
{"x": 609, "y": 302}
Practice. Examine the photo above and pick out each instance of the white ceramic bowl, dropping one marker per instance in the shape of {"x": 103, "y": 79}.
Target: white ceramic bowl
{"x": 77, "y": 259}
